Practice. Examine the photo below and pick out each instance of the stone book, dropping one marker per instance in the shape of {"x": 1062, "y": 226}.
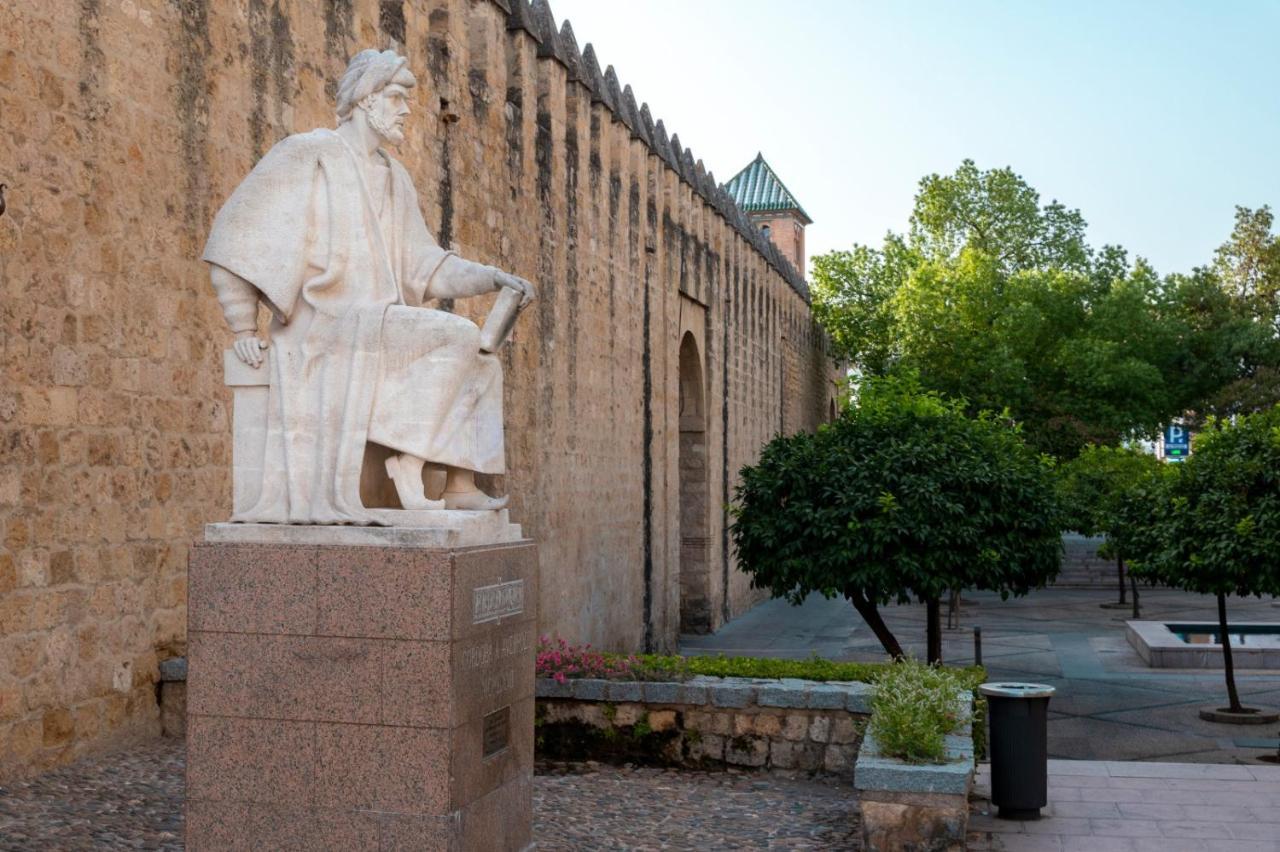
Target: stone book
{"x": 498, "y": 325}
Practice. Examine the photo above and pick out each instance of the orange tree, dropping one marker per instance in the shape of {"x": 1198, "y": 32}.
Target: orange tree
{"x": 903, "y": 497}
{"x": 1213, "y": 526}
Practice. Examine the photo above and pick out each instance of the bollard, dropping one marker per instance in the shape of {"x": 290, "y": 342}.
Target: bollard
{"x": 977, "y": 644}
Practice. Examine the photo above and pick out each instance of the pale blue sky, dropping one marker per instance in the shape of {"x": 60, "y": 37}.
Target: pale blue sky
{"x": 1153, "y": 118}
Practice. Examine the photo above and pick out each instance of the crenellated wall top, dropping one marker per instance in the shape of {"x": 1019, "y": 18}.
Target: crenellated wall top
{"x": 534, "y": 18}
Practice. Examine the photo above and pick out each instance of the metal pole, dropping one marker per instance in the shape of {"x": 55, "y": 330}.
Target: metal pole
{"x": 977, "y": 644}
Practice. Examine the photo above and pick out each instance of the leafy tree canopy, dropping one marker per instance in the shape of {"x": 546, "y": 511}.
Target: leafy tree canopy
{"x": 903, "y": 496}
{"x": 1105, "y": 491}
{"x": 996, "y": 298}
{"x": 1214, "y": 527}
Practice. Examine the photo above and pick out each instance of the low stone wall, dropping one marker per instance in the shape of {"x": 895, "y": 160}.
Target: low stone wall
{"x": 922, "y": 807}
{"x": 705, "y": 722}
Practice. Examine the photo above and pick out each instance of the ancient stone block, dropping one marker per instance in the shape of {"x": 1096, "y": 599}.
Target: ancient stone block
{"x": 890, "y": 826}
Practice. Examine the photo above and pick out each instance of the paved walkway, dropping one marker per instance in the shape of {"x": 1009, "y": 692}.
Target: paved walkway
{"x": 1097, "y": 806}
{"x": 133, "y": 800}
{"x": 1109, "y": 705}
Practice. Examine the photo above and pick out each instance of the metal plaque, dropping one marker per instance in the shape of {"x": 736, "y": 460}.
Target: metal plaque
{"x": 496, "y": 731}
{"x": 489, "y": 603}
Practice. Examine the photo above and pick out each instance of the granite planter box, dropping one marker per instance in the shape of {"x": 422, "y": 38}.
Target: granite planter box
{"x": 705, "y": 722}
{"x": 912, "y": 805}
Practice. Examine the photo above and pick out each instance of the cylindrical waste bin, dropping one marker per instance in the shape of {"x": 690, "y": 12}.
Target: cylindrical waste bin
{"x": 1019, "y": 746}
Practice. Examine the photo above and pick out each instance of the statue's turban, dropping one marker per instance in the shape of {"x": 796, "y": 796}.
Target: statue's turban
{"x": 369, "y": 71}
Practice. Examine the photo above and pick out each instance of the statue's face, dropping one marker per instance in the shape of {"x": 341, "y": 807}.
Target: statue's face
{"x": 387, "y": 111}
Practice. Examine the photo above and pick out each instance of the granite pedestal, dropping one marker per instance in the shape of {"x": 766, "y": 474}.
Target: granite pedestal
{"x": 360, "y": 697}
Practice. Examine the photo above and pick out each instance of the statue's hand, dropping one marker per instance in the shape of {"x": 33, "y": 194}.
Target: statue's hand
{"x": 514, "y": 282}
{"x": 248, "y": 347}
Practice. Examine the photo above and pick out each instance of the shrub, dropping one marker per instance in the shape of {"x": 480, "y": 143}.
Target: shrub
{"x": 914, "y": 707}
{"x": 903, "y": 496}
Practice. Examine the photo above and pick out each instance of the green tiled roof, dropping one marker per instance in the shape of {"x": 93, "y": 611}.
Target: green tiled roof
{"x": 757, "y": 189}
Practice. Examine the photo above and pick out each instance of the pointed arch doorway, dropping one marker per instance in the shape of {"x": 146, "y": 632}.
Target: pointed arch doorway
{"x": 695, "y": 568}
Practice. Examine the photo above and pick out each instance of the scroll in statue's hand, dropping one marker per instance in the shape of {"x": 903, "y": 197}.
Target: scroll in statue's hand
{"x": 248, "y": 348}
{"x": 514, "y": 282}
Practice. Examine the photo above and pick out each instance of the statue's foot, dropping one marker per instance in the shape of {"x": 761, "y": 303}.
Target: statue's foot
{"x": 476, "y": 501}
{"x": 411, "y": 497}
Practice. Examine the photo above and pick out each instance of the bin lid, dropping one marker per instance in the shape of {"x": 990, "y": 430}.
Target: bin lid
{"x": 1017, "y": 690}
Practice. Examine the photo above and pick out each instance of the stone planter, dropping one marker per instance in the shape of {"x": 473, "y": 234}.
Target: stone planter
{"x": 916, "y": 806}
{"x": 705, "y": 722}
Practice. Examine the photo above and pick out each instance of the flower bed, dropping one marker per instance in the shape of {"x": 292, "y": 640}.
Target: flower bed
{"x": 915, "y": 769}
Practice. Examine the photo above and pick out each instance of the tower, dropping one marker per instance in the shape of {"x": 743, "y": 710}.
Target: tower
{"x": 771, "y": 207}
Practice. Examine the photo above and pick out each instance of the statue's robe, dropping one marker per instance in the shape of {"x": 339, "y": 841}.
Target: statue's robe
{"x": 354, "y": 357}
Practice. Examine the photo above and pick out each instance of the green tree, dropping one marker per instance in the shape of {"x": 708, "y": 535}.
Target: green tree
{"x": 997, "y": 213}
{"x": 904, "y": 496}
{"x": 1214, "y": 526}
{"x": 996, "y": 298}
{"x": 1249, "y": 263}
{"x": 1104, "y": 492}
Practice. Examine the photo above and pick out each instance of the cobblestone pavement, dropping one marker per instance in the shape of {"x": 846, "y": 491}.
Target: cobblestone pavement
{"x": 127, "y": 800}
{"x": 133, "y": 800}
{"x": 651, "y": 809}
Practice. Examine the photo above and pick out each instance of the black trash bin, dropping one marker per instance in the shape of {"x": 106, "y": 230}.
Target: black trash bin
{"x": 1019, "y": 746}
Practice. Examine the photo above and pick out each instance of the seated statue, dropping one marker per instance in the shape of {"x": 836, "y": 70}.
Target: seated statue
{"x": 326, "y": 232}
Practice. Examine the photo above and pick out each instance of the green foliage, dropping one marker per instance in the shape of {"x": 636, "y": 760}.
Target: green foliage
{"x": 1104, "y": 491}
{"x": 902, "y": 496}
{"x": 658, "y": 667}
{"x": 996, "y": 298}
{"x": 1249, "y": 263}
{"x": 1213, "y": 526}
{"x": 997, "y": 213}
{"x": 913, "y": 709}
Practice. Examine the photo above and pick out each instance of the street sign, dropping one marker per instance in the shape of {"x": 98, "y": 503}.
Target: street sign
{"x": 1177, "y": 442}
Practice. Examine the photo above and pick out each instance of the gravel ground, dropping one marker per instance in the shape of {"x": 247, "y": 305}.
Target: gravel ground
{"x": 133, "y": 800}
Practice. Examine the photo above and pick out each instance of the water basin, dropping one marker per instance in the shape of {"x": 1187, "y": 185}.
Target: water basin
{"x": 1242, "y": 635}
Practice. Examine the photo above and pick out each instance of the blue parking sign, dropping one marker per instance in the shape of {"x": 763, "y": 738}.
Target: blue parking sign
{"x": 1177, "y": 442}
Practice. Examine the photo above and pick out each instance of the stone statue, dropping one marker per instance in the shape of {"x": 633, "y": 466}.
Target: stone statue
{"x": 327, "y": 233}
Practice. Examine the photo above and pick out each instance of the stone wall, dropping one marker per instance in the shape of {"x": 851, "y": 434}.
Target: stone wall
{"x": 128, "y": 122}
{"x": 705, "y": 722}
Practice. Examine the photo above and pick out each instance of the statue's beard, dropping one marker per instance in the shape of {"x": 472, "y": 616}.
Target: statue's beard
{"x": 386, "y": 129}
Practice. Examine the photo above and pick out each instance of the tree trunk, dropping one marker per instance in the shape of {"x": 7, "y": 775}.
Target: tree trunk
{"x": 1120, "y": 576}
{"x": 1232, "y": 696}
{"x": 1133, "y": 587}
{"x": 933, "y": 611}
{"x": 867, "y": 609}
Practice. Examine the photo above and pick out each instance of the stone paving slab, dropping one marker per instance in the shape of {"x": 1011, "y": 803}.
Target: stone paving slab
{"x": 1097, "y": 806}
{"x": 134, "y": 800}
{"x": 1109, "y": 705}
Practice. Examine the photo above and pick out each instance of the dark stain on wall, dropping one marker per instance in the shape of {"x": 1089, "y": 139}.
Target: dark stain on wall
{"x": 542, "y": 156}
{"x": 192, "y": 48}
{"x": 547, "y": 326}
{"x": 93, "y": 61}
{"x": 571, "y": 264}
{"x": 438, "y": 46}
{"x": 646, "y": 362}
{"x": 337, "y": 28}
{"x": 615, "y": 202}
{"x": 391, "y": 19}
{"x": 445, "y": 237}
{"x": 270, "y": 67}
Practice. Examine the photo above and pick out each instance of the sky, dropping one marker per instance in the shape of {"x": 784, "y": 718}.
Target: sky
{"x": 1154, "y": 119}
